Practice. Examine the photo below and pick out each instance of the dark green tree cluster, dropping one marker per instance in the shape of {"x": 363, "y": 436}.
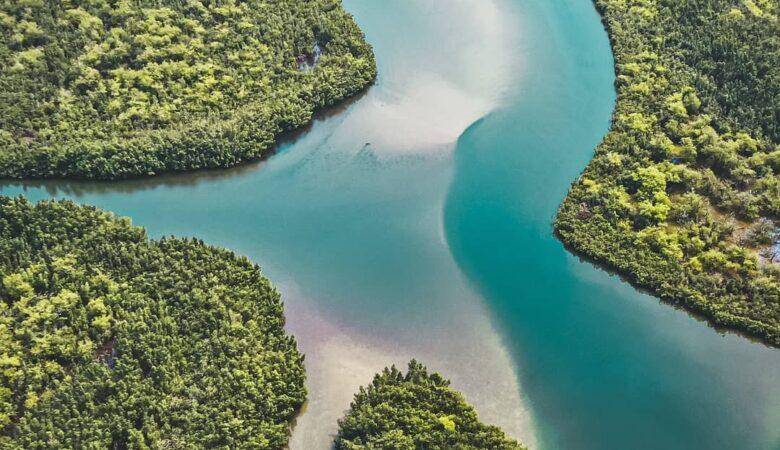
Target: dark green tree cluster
{"x": 119, "y": 88}
{"x": 111, "y": 340}
{"x": 416, "y": 410}
{"x": 683, "y": 194}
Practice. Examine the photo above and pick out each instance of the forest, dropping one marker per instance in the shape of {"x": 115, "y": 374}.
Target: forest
{"x": 415, "y": 410}
{"x": 682, "y": 196}
{"x": 111, "y": 89}
{"x": 112, "y": 340}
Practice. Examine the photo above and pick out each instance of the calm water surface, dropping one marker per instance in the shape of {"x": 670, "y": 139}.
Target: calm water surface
{"x": 416, "y": 222}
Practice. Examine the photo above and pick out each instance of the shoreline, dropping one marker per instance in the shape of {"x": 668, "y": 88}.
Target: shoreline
{"x": 704, "y": 311}
{"x": 691, "y": 309}
{"x": 199, "y": 174}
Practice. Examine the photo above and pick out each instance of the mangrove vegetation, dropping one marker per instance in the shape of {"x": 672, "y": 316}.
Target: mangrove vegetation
{"x": 112, "y": 340}
{"x": 109, "y": 89}
{"x": 415, "y": 410}
{"x": 683, "y": 195}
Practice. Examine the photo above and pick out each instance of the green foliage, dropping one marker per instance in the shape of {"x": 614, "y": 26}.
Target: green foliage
{"x": 416, "y": 410}
{"x": 110, "y": 340}
{"x": 683, "y": 194}
{"x": 119, "y": 88}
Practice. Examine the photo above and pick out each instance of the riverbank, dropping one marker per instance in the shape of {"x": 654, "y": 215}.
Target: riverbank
{"x": 682, "y": 163}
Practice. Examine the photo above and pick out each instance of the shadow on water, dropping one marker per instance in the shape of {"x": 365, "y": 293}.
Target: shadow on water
{"x": 692, "y": 313}
{"x": 56, "y": 187}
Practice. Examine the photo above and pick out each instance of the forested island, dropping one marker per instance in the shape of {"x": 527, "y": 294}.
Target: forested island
{"x": 112, "y": 340}
{"x": 110, "y": 89}
{"x": 415, "y": 410}
{"x": 683, "y": 195}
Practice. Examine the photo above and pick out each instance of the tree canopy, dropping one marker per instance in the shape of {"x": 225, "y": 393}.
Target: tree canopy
{"x": 416, "y": 410}
{"x": 683, "y": 194}
{"x": 111, "y": 340}
{"x": 120, "y": 88}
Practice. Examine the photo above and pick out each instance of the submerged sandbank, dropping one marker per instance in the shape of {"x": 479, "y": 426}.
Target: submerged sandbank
{"x": 341, "y": 358}
{"x": 448, "y": 68}
{"x": 454, "y": 68}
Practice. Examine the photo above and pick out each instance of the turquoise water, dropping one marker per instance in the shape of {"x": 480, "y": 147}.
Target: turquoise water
{"x": 605, "y": 366}
{"x": 416, "y": 222}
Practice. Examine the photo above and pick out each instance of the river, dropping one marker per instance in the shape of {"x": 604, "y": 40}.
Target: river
{"x": 416, "y": 220}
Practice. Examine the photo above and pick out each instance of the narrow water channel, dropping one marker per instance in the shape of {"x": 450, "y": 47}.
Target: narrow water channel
{"x": 415, "y": 222}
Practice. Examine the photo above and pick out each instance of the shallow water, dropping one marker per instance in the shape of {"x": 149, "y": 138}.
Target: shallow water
{"x": 401, "y": 228}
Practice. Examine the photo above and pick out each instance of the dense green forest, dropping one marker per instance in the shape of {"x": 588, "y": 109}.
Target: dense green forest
{"x": 112, "y": 340}
{"x": 416, "y": 410}
{"x": 119, "y": 88}
{"x": 683, "y": 194}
